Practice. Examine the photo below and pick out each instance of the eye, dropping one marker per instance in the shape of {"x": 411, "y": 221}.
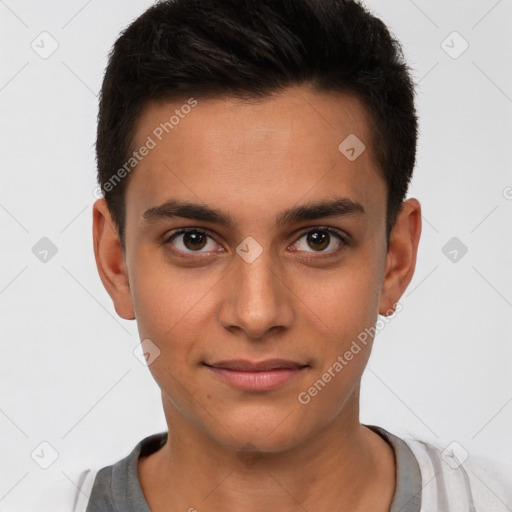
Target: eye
{"x": 192, "y": 240}
{"x": 319, "y": 239}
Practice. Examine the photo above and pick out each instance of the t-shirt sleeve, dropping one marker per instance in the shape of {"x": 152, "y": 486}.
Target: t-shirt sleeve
{"x": 100, "y": 496}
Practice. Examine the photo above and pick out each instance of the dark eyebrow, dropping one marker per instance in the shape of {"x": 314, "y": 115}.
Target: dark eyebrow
{"x": 310, "y": 211}
{"x": 175, "y": 208}
{"x": 320, "y": 209}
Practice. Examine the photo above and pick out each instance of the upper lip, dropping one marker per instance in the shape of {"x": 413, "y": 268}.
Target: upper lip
{"x": 248, "y": 366}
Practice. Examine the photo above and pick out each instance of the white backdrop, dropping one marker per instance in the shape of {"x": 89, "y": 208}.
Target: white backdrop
{"x": 440, "y": 370}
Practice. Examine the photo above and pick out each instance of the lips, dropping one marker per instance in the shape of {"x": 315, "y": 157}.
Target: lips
{"x": 256, "y": 376}
{"x": 242, "y": 365}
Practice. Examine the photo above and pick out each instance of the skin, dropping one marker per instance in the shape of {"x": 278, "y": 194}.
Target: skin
{"x": 252, "y": 160}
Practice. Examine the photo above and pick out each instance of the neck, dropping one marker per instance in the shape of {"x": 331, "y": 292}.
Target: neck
{"x": 343, "y": 466}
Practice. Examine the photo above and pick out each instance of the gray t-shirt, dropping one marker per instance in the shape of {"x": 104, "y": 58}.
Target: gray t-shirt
{"x": 117, "y": 487}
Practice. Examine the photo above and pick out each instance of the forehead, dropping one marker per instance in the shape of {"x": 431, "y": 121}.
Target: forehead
{"x": 256, "y": 156}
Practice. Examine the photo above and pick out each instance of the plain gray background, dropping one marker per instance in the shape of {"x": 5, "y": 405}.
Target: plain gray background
{"x": 440, "y": 370}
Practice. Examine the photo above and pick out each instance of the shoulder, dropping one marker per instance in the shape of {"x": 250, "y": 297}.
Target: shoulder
{"x": 116, "y": 487}
{"x": 94, "y": 490}
{"x": 84, "y": 489}
{"x": 455, "y": 481}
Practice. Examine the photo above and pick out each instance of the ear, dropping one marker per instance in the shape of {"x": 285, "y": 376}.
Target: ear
{"x": 401, "y": 255}
{"x": 110, "y": 260}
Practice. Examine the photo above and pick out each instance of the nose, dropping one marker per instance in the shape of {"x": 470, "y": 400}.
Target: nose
{"x": 257, "y": 299}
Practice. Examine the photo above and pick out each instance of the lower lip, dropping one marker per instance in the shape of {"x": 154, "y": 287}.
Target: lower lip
{"x": 256, "y": 381}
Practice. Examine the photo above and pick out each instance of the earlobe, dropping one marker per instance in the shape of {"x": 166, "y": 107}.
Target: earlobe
{"x": 401, "y": 255}
{"x": 110, "y": 260}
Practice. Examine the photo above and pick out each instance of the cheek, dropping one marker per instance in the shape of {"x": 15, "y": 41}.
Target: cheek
{"x": 170, "y": 300}
{"x": 339, "y": 312}
{"x": 342, "y": 302}
{"x": 342, "y": 317}
{"x": 170, "y": 311}
{"x": 175, "y": 312}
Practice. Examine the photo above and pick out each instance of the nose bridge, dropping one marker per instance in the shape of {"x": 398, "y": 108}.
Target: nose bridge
{"x": 258, "y": 300}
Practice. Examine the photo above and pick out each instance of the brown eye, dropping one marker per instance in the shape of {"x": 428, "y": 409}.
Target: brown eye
{"x": 192, "y": 240}
{"x": 321, "y": 240}
{"x": 318, "y": 240}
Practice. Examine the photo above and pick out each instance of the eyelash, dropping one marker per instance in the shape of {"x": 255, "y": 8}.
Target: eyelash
{"x": 319, "y": 255}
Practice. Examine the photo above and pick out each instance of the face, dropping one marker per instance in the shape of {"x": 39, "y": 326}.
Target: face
{"x": 250, "y": 235}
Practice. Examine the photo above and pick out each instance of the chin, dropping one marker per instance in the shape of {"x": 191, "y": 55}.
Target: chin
{"x": 263, "y": 431}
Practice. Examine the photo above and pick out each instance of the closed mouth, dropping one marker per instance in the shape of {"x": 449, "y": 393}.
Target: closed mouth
{"x": 243, "y": 365}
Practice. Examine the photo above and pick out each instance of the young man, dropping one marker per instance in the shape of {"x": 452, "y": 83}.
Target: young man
{"x": 254, "y": 158}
